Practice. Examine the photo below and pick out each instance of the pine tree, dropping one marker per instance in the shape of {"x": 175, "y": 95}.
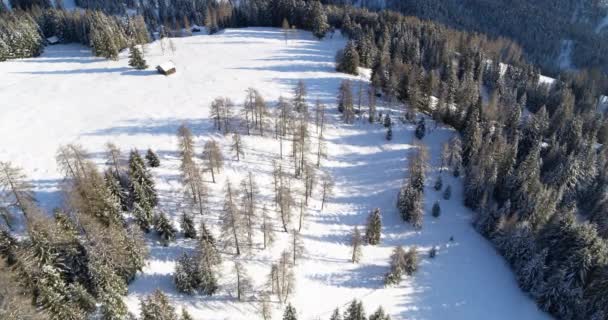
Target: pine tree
{"x": 187, "y": 226}
{"x": 447, "y": 193}
{"x": 420, "y": 129}
{"x": 336, "y": 315}
{"x": 409, "y": 204}
{"x": 436, "y": 209}
{"x": 136, "y": 58}
{"x": 387, "y": 121}
{"x": 347, "y": 61}
{"x": 157, "y": 307}
{"x": 299, "y": 98}
{"x": 373, "y": 229}
{"x": 319, "y": 20}
{"x": 152, "y": 158}
{"x": 356, "y": 242}
{"x": 185, "y": 315}
{"x": 389, "y": 134}
{"x": 355, "y": 311}
{"x": 379, "y": 315}
{"x": 438, "y": 183}
{"x": 164, "y": 229}
{"x": 142, "y": 190}
{"x": 290, "y": 313}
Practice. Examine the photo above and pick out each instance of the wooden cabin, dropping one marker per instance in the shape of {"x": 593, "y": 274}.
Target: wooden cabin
{"x": 166, "y": 68}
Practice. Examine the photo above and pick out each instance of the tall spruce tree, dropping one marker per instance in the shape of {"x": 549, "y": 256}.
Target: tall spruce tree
{"x": 136, "y": 58}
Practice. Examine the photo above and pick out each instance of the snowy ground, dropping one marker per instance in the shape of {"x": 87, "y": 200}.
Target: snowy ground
{"x": 67, "y": 96}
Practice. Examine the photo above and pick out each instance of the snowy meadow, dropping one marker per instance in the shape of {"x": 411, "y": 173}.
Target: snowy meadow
{"x": 68, "y": 96}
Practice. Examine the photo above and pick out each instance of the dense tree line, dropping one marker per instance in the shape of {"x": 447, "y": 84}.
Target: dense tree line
{"x": 532, "y": 153}
{"x": 23, "y": 33}
{"x": 540, "y": 26}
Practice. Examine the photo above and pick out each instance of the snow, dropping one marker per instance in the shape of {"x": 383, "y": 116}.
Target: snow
{"x": 546, "y": 80}
{"x": 7, "y": 3}
{"x": 67, "y": 96}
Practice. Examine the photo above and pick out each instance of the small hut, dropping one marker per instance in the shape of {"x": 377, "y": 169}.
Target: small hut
{"x": 166, "y": 68}
{"x": 52, "y": 40}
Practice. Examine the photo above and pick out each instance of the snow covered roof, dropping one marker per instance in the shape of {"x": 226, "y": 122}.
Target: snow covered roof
{"x": 52, "y": 40}
{"x": 167, "y": 65}
{"x": 166, "y": 68}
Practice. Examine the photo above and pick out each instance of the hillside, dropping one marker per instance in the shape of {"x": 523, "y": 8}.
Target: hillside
{"x": 90, "y": 101}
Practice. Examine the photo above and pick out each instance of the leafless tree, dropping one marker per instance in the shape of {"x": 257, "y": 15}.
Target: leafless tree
{"x": 243, "y": 281}
{"x": 267, "y": 228}
{"x": 265, "y": 307}
{"x": 327, "y": 185}
{"x": 231, "y": 221}
{"x": 319, "y": 111}
{"x": 285, "y": 202}
{"x": 212, "y": 155}
{"x": 297, "y": 246}
{"x": 114, "y": 161}
{"x": 249, "y": 107}
{"x": 356, "y": 242}
{"x": 249, "y": 193}
{"x": 237, "y": 146}
{"x": 283, "y": 119}
{"x": 15, "y": 190}
{"x": 321, "y": 149}
{"x": 309, "y": 181}
{"x": 195, "y": 188}
{"x": 221, "y": 112}
{"x": 282, "y": 278}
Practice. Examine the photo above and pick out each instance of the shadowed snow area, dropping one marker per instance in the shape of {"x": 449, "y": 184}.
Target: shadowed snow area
{"x": 68, "y": 96}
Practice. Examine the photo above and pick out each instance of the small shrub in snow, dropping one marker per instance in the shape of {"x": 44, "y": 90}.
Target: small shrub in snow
{"x": 420, "y": 129}
{"x": 402, "y": 263}
{"x": 164, "y": 228}
{"x": 373, "y": 229}
{"x": 290, "y": 313}
{"x": 447, "y": 193}
{"x": 438, "y": 183}
{"x": 433, "y": 252}
{"x": 387, "y": 121}
{"x": 152, "y": 159}
{"x": 436, "y": 209}
{"x": 187, "y": 225}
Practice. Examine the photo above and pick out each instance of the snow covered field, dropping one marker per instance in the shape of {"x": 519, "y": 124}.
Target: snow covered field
{"x": 67, "y": 96}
